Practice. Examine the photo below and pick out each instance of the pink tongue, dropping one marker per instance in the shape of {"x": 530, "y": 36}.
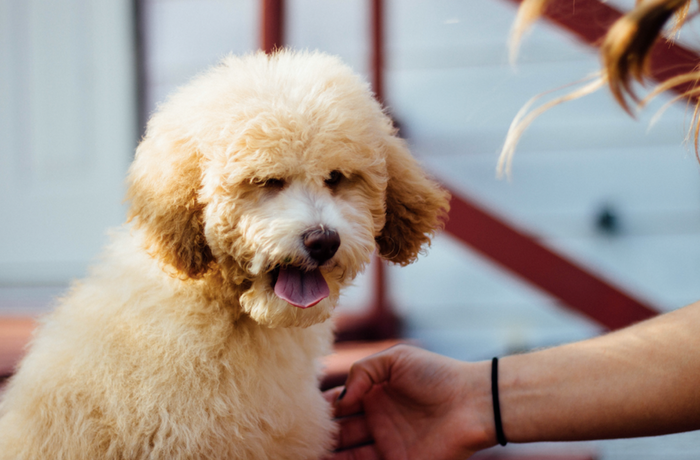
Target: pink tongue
{"x": 301, "y": 289}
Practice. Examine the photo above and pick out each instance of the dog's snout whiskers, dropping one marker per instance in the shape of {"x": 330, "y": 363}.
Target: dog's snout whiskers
{"x": 321, "y": 243}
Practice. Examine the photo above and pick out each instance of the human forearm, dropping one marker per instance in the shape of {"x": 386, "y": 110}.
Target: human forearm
{"x": 640, "y": 381}
{"x": 635, "y": 382}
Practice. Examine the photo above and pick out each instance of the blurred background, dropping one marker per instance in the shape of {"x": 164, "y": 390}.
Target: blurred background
{"x": 615, "y": 197}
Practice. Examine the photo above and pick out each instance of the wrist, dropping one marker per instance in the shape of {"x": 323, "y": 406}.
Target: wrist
{"x": 477, "y": 412}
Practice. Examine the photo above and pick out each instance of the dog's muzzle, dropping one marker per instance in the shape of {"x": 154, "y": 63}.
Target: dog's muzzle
{"x": 302, "y": 288}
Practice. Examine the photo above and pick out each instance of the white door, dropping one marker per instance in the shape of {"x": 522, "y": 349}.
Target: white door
{"x": 67, "y": 134}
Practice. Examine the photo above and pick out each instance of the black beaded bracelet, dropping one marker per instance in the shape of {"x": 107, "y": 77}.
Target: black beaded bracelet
{"x": 500, "y": 436}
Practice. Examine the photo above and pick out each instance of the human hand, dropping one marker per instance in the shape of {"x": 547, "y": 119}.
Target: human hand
{"x": 409, "y": 404}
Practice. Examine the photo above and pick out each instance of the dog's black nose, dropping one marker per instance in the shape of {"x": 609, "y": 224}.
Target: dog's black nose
{"x": 321, "y": 243}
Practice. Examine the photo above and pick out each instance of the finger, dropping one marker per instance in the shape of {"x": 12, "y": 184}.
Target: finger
{"x": 368, "y": 452}
{"x": 332, "y": 395}
{"x": 364, "y": 374}
{"x": 353, "y": 432}
{"x": 346, "y": 408}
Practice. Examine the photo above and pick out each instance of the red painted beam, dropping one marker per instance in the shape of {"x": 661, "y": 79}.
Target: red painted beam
{"x": 522, "y": 255}
{"x": 589, "y": 21}
{"x": 377, "y": 62}
{"x": 386, "y": 323}
{"x": 380, "y": 302}
{"x": 272, "y": 30}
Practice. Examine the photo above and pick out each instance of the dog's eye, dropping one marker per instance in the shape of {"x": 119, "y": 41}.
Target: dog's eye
{"x": 274, "y": 183}
{"x": 270, "y": 183}
{"x": 334, "y": 178}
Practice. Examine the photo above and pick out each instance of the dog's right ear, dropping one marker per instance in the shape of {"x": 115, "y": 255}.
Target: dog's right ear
{"x": 164, "y": 181}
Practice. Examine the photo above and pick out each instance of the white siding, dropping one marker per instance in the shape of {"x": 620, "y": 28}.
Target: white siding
{"x": 67, "y": 134}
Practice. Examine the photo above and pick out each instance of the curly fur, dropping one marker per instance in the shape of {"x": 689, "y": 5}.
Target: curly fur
{"x": 176, "y": 345}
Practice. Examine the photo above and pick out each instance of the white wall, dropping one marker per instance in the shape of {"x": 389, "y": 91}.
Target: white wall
{"x": 67, "y": 134}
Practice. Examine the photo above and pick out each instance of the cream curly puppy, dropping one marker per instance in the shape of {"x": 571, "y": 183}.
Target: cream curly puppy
{"x": 260, "y": 190}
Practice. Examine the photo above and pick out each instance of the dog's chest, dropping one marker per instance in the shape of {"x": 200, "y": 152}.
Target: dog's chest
{"x": 271, "y": 405}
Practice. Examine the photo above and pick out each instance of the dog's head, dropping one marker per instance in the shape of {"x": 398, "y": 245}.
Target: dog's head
{"x": 279, "y": 175}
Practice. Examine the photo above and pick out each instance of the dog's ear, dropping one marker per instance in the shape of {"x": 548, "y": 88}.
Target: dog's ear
{"x": 416, "y": 206}
{"x": 164, "y": 181}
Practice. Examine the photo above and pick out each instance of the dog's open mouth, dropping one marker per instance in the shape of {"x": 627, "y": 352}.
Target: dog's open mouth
{"x": 300, "y": 288}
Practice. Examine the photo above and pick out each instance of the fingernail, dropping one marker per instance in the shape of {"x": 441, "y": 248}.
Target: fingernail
{"x": 342, "y": 394}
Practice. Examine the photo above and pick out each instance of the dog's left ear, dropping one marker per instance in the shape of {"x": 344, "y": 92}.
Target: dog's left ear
{"x": 416, "y": 206}
{"x": 164, "y": 181}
